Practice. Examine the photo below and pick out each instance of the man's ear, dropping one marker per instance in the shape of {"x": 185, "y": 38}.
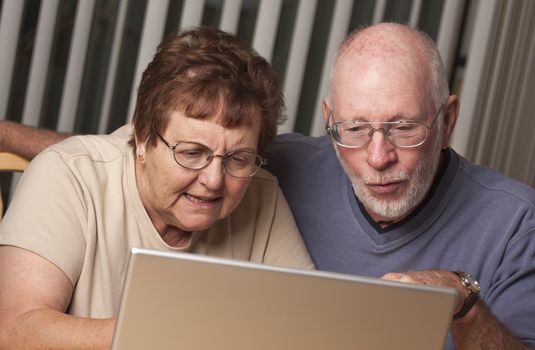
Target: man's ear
{"x": 451, "y": 113}
{"x": 326, "y": 106}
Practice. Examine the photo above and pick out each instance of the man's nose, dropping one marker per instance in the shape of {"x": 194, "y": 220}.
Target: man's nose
{"x": 381, "y": 152}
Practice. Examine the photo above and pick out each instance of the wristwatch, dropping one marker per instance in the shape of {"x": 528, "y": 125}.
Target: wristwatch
{"x": 473, "y": 289}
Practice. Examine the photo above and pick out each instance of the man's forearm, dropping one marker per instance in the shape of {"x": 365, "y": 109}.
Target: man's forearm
{"x": 26, "y": 141}
{"x": 480, "y": 329}
{"x": 50, "y": 329}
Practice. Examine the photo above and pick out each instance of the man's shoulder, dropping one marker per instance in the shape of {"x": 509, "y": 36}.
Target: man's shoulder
{"x": 496, "y": 184}
{"x": 298, "y": 141}
{"x": 289, "y": 147}
{"x": 302, "y": 161}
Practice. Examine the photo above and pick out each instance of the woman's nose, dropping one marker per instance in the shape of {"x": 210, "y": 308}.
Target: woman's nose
{"x": 212, "y": 176}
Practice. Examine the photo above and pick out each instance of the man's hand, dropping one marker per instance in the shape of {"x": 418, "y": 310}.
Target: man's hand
{"x": 479, "y": 328}
{"x": 435, "y": 278}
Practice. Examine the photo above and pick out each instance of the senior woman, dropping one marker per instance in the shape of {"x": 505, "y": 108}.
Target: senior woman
{"x": 186, "y": 177}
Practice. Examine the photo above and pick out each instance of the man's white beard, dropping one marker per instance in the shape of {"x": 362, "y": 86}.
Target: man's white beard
{"x": 419, "y": 183}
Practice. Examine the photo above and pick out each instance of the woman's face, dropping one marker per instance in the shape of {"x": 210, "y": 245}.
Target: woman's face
{"x": 191, "y": 200}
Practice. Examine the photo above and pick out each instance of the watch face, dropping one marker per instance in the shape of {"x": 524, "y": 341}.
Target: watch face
{"x": 469, "y": 282}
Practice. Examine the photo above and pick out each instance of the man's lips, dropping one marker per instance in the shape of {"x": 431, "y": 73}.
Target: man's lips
{"x": 386, "y": 187}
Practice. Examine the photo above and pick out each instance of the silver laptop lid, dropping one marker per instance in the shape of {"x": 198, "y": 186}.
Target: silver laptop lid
{"x": 185, "y": 301}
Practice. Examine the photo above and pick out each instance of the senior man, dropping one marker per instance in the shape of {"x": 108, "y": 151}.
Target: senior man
{"x": 384, "y": 195}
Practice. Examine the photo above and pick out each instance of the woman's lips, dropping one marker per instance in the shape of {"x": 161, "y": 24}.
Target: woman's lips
{"x": 202, "y": 201}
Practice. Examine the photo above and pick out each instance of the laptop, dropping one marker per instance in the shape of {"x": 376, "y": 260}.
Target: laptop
{"x": 184, "y": 301}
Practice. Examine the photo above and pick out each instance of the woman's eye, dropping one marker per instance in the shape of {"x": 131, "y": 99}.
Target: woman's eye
{"x": 240, "y": 160}
{"x": 192, "y": 153}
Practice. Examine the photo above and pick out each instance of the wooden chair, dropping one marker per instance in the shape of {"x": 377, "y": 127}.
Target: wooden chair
{"x": 10, "y": 162}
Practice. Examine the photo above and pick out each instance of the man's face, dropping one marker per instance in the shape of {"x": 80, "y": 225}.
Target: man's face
{"x": 388, "y": 180}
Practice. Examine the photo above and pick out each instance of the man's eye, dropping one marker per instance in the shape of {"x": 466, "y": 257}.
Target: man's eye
{"x": 404, "y": 128}
{"x": 357, "y": 129}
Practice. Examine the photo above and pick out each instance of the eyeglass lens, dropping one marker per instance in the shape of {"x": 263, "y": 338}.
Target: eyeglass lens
{"x": 358, "y": 134}
{"x": 195, "y": 156}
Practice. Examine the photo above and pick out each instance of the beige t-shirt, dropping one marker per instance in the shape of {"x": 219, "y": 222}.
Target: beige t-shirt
{"x": 78, "y": 206}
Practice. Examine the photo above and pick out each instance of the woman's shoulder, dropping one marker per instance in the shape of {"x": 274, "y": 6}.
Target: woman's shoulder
{"x": 95, "y": 148}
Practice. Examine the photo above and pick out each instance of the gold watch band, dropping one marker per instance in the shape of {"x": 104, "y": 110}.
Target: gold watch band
{"x": 473, "y": 289}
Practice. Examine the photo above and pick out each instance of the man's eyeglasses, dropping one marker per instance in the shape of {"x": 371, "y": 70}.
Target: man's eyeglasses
{"x": 195, "y": 156}
{"x": 355, "y": 134}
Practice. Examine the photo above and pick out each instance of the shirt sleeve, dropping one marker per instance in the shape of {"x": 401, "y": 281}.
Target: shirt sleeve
{"x": 47, "y": 214}
{"x": 511, "y": 294}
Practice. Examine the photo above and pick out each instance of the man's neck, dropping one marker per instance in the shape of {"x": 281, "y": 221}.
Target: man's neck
{"x": 384, "y": 222}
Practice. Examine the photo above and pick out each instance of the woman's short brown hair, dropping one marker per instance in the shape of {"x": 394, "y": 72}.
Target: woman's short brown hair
{"x": 203, "y": 73}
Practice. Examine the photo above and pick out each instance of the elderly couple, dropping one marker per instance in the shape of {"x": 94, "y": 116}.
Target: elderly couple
{"x": 381, "y": 195}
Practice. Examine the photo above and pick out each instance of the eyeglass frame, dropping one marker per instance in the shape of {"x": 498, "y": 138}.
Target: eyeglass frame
{"x": 386, "y": 135}
{"x": 262, "y": 161}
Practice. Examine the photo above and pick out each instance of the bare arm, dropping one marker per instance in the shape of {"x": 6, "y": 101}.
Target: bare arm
{"x": 34, "y": 296}
{"x": 26, "y": 141}
{"x": 479, "y": 328}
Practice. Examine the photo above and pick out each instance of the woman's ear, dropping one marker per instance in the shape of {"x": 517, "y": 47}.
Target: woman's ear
{"x": 140, "y": 150}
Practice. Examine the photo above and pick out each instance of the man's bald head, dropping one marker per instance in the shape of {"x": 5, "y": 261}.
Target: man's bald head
{"x": 396, "y": 45}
